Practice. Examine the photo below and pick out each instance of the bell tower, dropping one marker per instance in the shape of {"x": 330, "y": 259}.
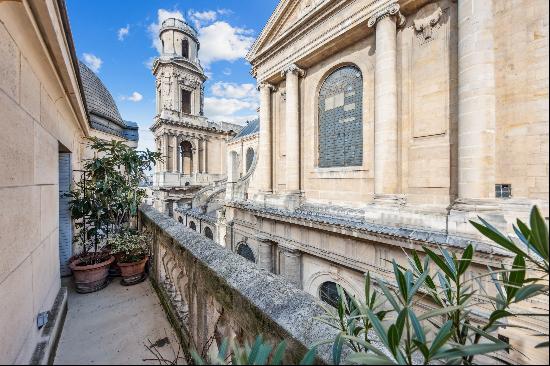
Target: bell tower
{"x": 179, "y": 74}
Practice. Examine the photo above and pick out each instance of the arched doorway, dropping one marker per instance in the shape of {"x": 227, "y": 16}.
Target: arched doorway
{"x": 244, "y": 251}
{"x": 180, "y": 220}
{"x": 192, "y": 226}
{"x": 208, "y": 233}
{"x": 186, "y": 150}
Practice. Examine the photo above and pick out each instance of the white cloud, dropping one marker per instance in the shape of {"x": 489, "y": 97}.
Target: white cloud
{"x": 221, "y": 41}
{"x": 149, "y": 62}
{"x": 233, "y": 90}
{"x": 92, "y": 61}
{"x": 123, "y": 32}
{"x": 230, "y": 109}
{"x": 154, "y": 28}
{"x": 135, "y": 97}
{"x": 200, "y": 17}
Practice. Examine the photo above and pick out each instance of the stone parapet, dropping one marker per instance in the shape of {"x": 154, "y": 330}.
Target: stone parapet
{"x": 211, "y": 293}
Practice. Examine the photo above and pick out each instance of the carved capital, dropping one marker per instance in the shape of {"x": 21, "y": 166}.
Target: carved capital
{"x": 389, "y": 11}
{"x": 293, "y": 68}
{"x": 271, "y": 87}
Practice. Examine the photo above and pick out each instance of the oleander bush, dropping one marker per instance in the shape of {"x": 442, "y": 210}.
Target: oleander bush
{"x": 453, "y": 331}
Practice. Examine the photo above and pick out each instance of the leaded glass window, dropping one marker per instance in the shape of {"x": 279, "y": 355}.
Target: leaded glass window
{"x": 245, "y": 251}
{"x": 328, "y": 292}
{"x": 249, "y": 158}
{"x": 341, "y": 119}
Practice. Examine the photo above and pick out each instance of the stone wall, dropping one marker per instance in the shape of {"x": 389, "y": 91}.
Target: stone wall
{"x": 40, "y": 115}
{"x": 211, "y": 293}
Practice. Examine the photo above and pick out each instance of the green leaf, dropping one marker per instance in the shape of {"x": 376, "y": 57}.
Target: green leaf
{"x": 393, "y": 339}
{"x": 529, "y": 291}
{"x": 337, "y": 348}
{"x": 466, "y": 259}
{"x": 438, "y": 261}
{"x": 309, "y": 357}
{"x": 516, "y": 278}
{"x": 279, "y": 353}
{"x": 442, "y": 336}
{"x": 539, "y": 232}
{"x": 361, "y": 358}
{"x": 492, "y": 233}
{"x": 389, "y": 296}
{"x": 470, "y": 350}
{"x": 499, "y": 314}
{"x": 417, "y": 327}
{"x": 440, "y": 311}
{"x": 378, "y": 328}
{"x": 262, "y": 354}
{"x": 417, "y": 285}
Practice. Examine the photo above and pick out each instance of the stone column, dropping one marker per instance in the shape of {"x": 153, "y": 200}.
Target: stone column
{"x": 293, "y": 265}
{"x": 265, "y": 163}
{"x": 174, "y": 154}
{"x": 292, "y": 73}
{"x": 385, "y": 100}
{"x": 165, "y": 155}
{"x": 265, "y": 248}
{"x": 204, "y": 156}
{"x": 196, "y": 156}
{"x": 476, "y": 99}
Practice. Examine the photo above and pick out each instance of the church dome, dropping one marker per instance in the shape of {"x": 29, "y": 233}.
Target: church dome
{"x": 101, "y": 107}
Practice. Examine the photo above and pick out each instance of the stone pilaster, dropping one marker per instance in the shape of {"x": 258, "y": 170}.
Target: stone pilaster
{"x": 292, "y": 265}
{"x": 265, "y": 250}
{"x": 292, "y": 74}
{"x": 265, "y": 162}
{"x": 386, "y": 177}
{"x": 476, "y": 100}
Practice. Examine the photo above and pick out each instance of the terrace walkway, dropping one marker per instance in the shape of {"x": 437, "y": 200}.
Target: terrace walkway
{"x": 113, "y": 326}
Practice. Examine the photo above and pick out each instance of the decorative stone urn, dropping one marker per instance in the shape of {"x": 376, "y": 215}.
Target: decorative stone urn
{"x": 90, "y": 278}
{"x": 133, "y": 273}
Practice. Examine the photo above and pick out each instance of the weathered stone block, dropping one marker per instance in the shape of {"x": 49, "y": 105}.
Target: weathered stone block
{"x": 9, "y": 64}
{"x": 30, "y": 90}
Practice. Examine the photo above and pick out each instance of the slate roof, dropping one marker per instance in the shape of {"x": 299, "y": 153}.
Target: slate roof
{"x": 251, "y": 128}
{"x": 102, "y": 109}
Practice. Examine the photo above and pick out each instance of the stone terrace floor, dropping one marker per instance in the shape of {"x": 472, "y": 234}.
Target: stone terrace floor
{"x": 114, "y": 325}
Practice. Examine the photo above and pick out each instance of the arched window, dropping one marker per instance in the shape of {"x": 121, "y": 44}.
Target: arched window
{"x": 341, "y": 119}
{"x": 192, "y": 226}
{"x": 244, "y": 251}
{"x": 208, "y": 233}
{"x": 185, "y": 48}
{"x": 186, "y": 150}
{"x": 249, "y": 158}
{"x": 180, "y": 220}
{"x": 328, "y": 293}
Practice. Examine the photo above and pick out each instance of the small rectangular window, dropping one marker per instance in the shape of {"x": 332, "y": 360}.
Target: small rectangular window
{"x": 186, "y": 101}
{"x": 503, "y": 190}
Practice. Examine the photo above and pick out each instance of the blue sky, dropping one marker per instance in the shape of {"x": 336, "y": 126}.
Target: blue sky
{"x": 116, "y": 39}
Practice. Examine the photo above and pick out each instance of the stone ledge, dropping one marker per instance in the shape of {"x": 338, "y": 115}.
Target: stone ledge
{"x": 260, "y": 302}
{"x": 45, "y": 350}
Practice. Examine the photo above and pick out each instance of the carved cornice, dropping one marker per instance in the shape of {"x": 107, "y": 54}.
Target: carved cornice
{"x": 389, "y": 11}
{"x": 293, "y": 68}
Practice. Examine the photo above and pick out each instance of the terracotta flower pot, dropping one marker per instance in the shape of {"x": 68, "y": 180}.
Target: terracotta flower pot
{"x": 133, "y": 273}
{"x": 90, "y": 278}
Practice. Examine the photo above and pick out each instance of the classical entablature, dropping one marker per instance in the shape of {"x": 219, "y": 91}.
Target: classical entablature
{"x": 302, "y": 31}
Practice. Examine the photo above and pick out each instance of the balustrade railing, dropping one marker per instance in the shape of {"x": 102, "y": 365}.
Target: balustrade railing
{"x": 211, "y": 293}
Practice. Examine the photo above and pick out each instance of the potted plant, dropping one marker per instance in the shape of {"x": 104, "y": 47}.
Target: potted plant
{"x": 132, "y": 252}
{"x": 104, "y": 203}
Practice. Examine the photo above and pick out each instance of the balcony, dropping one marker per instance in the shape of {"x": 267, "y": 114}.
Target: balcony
{"x": 171, "y": 180}
{"x": 197, "y": 294}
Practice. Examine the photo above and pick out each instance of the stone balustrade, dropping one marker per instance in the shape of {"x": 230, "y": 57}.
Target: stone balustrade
{"x": 167, "y": 179}
{"x": 211, "y": 293}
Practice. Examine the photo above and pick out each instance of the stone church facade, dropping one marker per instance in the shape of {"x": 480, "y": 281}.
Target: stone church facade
{"x": 386, "y": 125}
{"x": 194, "y": 148}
